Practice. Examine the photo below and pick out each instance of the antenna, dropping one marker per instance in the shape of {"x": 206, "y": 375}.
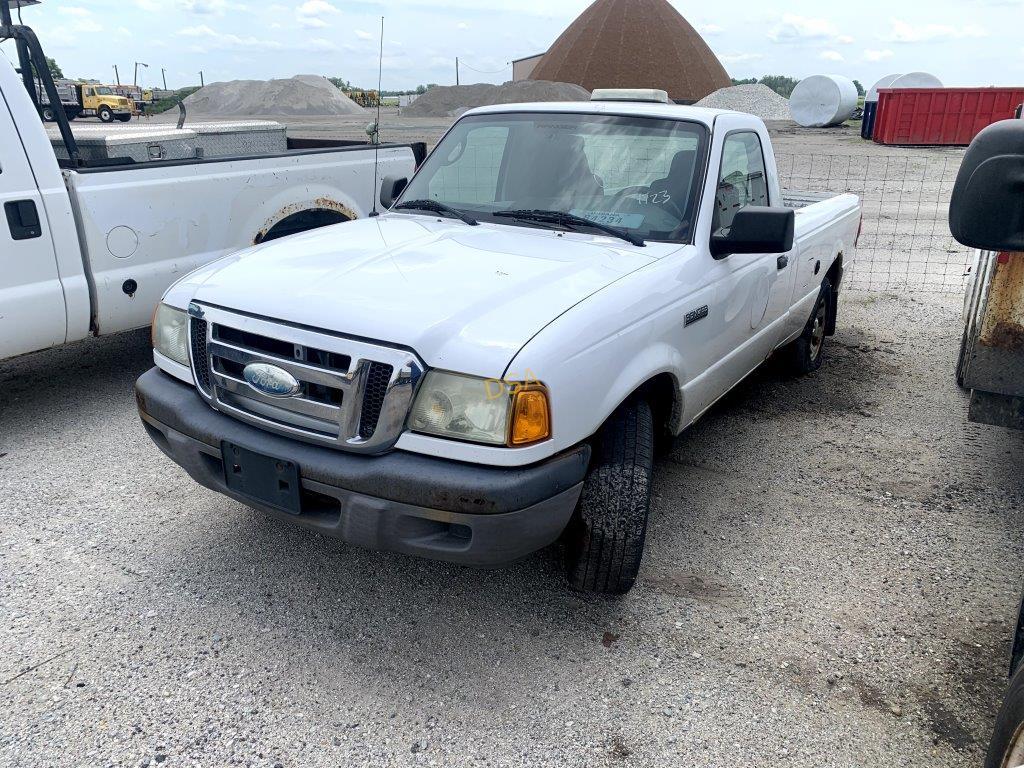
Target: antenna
{"x": 376, "y": 127}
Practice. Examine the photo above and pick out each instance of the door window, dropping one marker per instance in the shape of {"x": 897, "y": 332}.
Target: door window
{"x": 743, "y": 181}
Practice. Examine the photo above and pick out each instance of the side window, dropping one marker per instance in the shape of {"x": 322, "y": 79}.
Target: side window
{"x": 743, "y": 181}
{"x": 470, "y": 173}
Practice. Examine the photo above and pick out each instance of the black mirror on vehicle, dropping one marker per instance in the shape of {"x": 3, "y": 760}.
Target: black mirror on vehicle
{"x": 987, "y": 207}
{"x": 756, "y": 229}
{"x": 391, "y": 189}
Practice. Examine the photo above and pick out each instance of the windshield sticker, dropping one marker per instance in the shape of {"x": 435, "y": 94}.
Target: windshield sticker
{"x": 611, "y": 219}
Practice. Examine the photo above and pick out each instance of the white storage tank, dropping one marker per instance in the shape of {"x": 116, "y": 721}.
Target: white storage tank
{"x": 821, "y": 101}
{"x": 915, "y": 80}
{"x": 885, "y": 82}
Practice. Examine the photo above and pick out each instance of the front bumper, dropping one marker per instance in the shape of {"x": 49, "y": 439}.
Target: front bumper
{"x": 400, "y": 502}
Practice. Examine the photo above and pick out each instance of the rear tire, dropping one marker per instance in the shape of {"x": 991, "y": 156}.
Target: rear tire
{"x": 806, "y": 354}
{"x": 48, "y": 115}
{"x": 605, "y": 540}
{"x": 106, "y": 114}
{"x": 1007, "y": 746}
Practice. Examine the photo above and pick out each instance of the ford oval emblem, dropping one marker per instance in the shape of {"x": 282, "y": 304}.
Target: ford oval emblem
{"x": 271, "y": 381}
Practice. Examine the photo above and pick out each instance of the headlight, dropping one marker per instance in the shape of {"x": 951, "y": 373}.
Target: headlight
{"x": 481, "y": 410}
{"x": 170, "y": 333}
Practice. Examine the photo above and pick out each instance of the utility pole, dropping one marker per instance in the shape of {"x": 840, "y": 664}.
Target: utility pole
{"x": 456, "y": 70}
{"x": 117, "y": 77}
{"x": 163, "y": 74}
{"x": 202, "y": 83}
{"x": 137, "y": 65}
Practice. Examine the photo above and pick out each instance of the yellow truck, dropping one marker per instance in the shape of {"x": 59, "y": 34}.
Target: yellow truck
{"x": 103, "y": 102}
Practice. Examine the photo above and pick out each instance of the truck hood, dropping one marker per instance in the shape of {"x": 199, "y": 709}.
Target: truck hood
{"x": 464, "y": 298}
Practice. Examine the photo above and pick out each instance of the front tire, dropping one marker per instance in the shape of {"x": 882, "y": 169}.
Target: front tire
{"x": 124, "y": 118}
{"x": 605, "y": 541}
{"x": 1006, "y": 749}
{"x": 806, "y": 354}
{"x": 48, "y": 115}
{"x": 106, "y": 114}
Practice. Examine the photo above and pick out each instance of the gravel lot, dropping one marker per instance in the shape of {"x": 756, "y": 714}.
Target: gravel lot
{"x": 832, "y": 576}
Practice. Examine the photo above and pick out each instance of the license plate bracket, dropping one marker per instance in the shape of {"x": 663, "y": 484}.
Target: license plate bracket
{"x": 262, "y": 478}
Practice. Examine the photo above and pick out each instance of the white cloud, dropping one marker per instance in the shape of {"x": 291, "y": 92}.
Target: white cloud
{"x": 209, "y": 7}
{"x": 362, "y": 34}
{"x": 878, "y": 55}
{"x": 311, "y": 13}
{"x": 150, "y": 6}
{"x": 74, "y": 10}
{"x": 213, "y": 40}
{"x": 740, "y": 58}
{"x": 710, "y": 29}
{"x": 795, "y": 28}
{"x": 902, "y": 32}
{"x": 462, "y": 25}
{"x": 831, "y": 56}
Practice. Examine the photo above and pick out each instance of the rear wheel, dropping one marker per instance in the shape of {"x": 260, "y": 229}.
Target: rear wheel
{"x": 48, "y": 115}
{"x": 805, "y": 355}
{"x": 1007, "y": 747}
{"x": 605, "y": 541}
{"x": 106, "y": 114}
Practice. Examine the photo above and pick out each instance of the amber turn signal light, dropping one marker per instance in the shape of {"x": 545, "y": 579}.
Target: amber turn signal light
{"x": 531, "y": 417}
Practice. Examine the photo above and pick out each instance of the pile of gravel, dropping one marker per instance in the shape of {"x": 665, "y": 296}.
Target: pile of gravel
{"x": 304, "y": 95}
{"x": 755, "y": 99}
{"x": 453, "y": 100}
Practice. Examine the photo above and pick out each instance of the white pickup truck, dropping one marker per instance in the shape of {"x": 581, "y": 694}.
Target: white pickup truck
{"x": 90, "y": 250}
{"x": 489, "y": 366}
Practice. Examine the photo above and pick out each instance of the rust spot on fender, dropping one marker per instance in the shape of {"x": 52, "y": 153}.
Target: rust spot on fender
{"x": 1004, "y": 316}
{"x": 319, "y": 204}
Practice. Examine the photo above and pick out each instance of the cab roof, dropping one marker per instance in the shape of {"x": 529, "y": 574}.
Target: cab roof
{"x": 628, "y": 108}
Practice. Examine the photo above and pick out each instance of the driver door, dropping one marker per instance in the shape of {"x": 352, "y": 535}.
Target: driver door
{"x": 747, "y": 286}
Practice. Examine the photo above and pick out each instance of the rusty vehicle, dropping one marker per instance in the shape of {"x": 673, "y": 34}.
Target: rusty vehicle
{"x": 96, "y": 225}
{"x": 987, "y": 213}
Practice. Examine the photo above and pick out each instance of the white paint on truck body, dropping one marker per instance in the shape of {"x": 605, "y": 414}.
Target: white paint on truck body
{"x": 146, "y": 223}
{"x": 591, "y": 316}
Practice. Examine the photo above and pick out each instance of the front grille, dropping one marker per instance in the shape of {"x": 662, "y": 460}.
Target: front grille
{"x": 345, "y": 386}
{"x": 197, "y": 338}
{"x": 373, "y": 400}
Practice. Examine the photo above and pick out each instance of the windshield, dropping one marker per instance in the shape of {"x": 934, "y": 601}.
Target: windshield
{"x": 105, "y": 91}
{"x": 640, "y": 175}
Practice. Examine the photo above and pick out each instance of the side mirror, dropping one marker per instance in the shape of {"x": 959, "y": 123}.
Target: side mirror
{"x": 756, "y": 229}
{"x": 391, "y": 190}
{"x": 987, "y": 207}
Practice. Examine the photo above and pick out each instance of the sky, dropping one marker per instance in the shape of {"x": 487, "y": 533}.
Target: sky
{"x": 963, "y": 42}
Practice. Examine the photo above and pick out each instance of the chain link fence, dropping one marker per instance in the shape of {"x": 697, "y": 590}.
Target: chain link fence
{"x": 905, "y": 243}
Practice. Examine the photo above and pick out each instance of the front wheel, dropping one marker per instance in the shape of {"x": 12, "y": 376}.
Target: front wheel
{"x": 805, "y": 355}
{"x": 48, "y": 115}
{"x": 124, "y": 118}
{"x": 605, "y": 540}
{"x": 106, "y": 115}
{"x": 1007, "y": 747}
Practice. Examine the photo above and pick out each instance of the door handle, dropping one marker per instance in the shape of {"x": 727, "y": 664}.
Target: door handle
{"x": 782, "y": 262}
{"x": 23, "y": 219}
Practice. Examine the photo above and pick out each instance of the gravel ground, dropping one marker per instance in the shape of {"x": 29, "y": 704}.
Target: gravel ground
{"x": 832, "y": 574}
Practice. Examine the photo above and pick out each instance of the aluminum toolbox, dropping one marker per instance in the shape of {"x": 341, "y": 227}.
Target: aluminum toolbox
{"x": 144, "y": 142}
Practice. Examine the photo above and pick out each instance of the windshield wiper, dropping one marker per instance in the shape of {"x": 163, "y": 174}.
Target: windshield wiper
{"x": 435, "y": 206}
{"x": 573, "y": 221}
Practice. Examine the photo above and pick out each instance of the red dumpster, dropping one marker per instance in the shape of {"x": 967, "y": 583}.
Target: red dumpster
{"x": 944, "y": 116}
